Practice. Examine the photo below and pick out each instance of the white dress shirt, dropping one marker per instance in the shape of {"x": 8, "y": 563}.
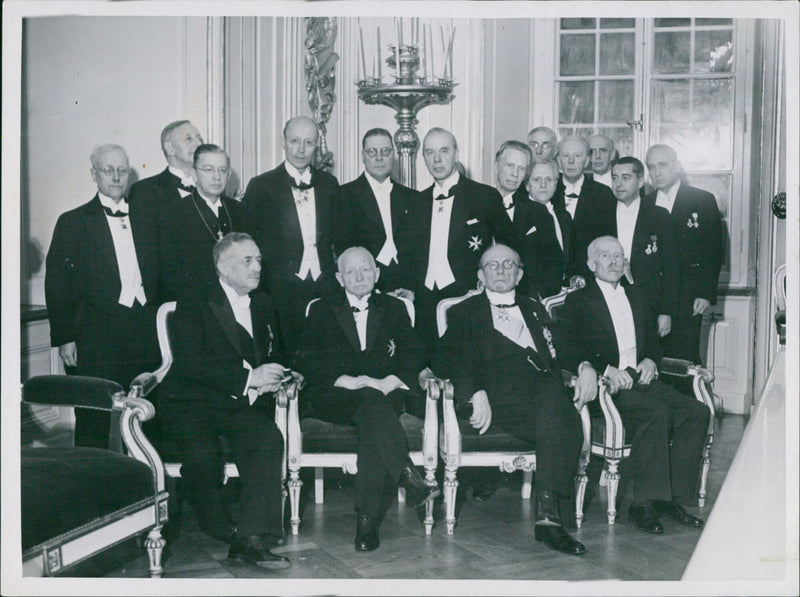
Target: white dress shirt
{"x": 626, "y": 224}
{"x": 570, "y": 188}
{"x": 508, "y": 204}
{"x": 440, "y": 274}
{"x": 241, "y": 313}
{"x": 212, "y": 205}
{"x": 305, "y": 204}
{"x": 604, "y": 178}
{"x": 130, "y": 276}
{"x": 622, "y": 317}
{"x": 552, "y": 212}
{"x": 509, "y": 320}
{"x": 383, "y": 195}
{"x": 360, "y": 316}
{"x": 667, "y": 200}
{"x": 187, "y": 181}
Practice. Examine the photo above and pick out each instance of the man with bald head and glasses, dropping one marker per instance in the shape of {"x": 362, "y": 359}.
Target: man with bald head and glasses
{"x": 102, "y": 288}
{"x": 374, "y": 211}
{"x": 500, "y": 353}
{"x": 543, "y": 143}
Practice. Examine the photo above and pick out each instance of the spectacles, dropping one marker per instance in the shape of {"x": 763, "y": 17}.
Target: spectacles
{"x": 546, "y": 146}
{"x": 495, "y": 265}
{"x": 209, "y": 170}
{"x": 384, "y": 151}
{"x": 109, "y": 171}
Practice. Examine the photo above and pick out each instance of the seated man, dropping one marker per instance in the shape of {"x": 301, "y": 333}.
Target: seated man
{"x": 501, "y": 359}
{"x": 614, "y": 329}
{"x": 361, "y": 356}
{"x": 225, "y": 352}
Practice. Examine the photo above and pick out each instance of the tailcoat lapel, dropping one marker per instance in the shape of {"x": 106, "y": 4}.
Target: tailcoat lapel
{"x": 346, "y": 321}
{"x": 223, "y": 311}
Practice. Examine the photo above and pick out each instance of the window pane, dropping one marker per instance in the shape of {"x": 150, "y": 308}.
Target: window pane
{"x": 672, "y": 22}
{"x": 616, "y": 101}
{"x": 718, "y": 185}
{"x": 580, "y": 131}
{"x": 701, "y": 22}
{"x": 617, "y": 23}
{"x": 577, "y": 23}
{"x": 576, "y": 102}
{"x": 623, "y": 138}
{"x": 670, "y": 101}
{"x": 713, "y": 52}
{"x": 577, "y": 55}
{"x": 617, "y": 54}
{"x": 671, "y": 52}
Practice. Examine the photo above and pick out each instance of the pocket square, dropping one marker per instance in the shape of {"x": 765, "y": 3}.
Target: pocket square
{"x": 472, "y": 221}
{"x": 531, "y": 231}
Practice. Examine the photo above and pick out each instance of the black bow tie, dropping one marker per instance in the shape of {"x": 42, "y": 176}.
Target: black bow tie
{"x": 442, "y": 197}
{"x": 509, "y": 206}
{"x": 572, "y": 195}
{"x": 185, "y": 187}
{"x": 301, "y": 186}
{"x": 114, "y": 213}
{"x": 358, "y": 310}
{"x": 504, "y": 306}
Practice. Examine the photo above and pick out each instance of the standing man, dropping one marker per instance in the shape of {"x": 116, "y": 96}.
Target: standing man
{"x": 101, "y": 288}
{"x": 507, "y": 374}
{"x": 512, "y": 164}
{"x": 612, "y": 328}
{"x": 697, "y": 226}
{"x": 455, "y": 220}
{"x": 361, "y": 358}
{"x": 546, "y": 244}
{"x": 189, "y": 227}
{"x": 375, "y": 209}
{"x": 590, "y": 204}
{"x": 645, "y": 233}
{"x": 602, "y": 153}
{"x": 543, "y": 143}
{"x": 226, "y": 358}
{"x": 291, "y": 212}
{"x": 179, "y": 140}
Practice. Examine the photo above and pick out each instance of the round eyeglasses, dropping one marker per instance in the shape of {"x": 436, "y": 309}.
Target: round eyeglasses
{"x": 384, "y": 151}
{"x": 495, "y": 265}
{"x": 109, "y": 171}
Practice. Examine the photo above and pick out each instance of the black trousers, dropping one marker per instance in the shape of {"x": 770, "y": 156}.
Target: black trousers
{"x": 382, "y": 448}
{"x": 257, "y": 449}
{"x": 653, "y": 417}
{"x": 683, "y": 342}
{"x": 116, "y": 345}
{"x": 545, "y": 416}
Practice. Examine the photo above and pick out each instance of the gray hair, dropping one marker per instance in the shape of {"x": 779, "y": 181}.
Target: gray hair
{"x": 226, "y": 242}
{"x": 99, "y": 150}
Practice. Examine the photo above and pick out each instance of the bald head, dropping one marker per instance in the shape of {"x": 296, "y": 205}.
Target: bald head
{"x": 606, "y": 259}
{"x": 573, "y": 157}
{"x": 440, "y": 151}
{"x": 357, "y": 271}
{"x": 543, "y": 143}
{"x": 601, "y": 150}
{"x": 300, "y": 141}
{"x": 500, "y": 268}
{"x": 663, "y": 166}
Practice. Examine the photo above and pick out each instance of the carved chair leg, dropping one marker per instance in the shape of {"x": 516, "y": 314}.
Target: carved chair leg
{"x": 294, "y": 484}
{"x": 527, "y": 481}
{"x": 155, "y": 546}
{"x": 401, "y": 495}
{"x": 430, "y": 479}
{"x": 703, "y": 493}
{"x": 581, "y": 481}
{"x": 450, "y": 487}
{"x": 612, "y": 479}
{"x": 319, "y": 485}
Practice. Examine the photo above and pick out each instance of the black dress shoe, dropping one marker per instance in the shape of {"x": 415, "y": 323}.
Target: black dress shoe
{"x": 556, "y": 538}
{"x": 645, "y": 518}
{"x": 417, "y": 490}
{"x": 227, "y": 535}
{"x": 676, "y": 511}
{"x": 483, "y": 491}
{"x": 271, "y": 540}
{"x": 367, "y": 537}
{"x": 252, "y": 551}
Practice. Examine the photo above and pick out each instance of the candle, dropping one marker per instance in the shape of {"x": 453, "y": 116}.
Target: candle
{"x": 430, "y": 48}
{"x": 444, "y": 52}
{"x": 363, "y": 58}
{"x": 424, "y": 56}
{"x": 397, "y": 48}
{"x": 380, "y": 66}
{"x": 450, "y": 50}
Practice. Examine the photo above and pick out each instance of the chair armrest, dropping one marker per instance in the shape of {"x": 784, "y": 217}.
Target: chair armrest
{"x": 430, "y": 429}
{"x": 294, "y": 437}
{"x": 702, "y": 379}
{"x": 72, "y": 390}
{"x": 147, "y": 381}
{"x": 134, "y": 410}
{"x": 614, "y": 435}
{"x": 284, "y": 396}
{"x": 451, "y": 443}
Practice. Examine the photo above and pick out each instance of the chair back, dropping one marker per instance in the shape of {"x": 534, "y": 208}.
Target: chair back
{"x": 164, "y": 318}
{"x": 779, "y": 287}
{"x": 553, "y": 304}
{"x": 445, "y": 304}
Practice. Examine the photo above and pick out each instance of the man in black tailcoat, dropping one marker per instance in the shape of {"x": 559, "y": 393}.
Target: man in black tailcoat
{"x": 101, "y": 288}
{"x": 362, "y": 359}
{"x": 226, "y": 362}
{"x": 613, "y": 329}
{"x": 290, "y": 211}
{"x": 697, "y": 227}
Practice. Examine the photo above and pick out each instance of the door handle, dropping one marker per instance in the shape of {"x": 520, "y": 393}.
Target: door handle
{"x": 637, "y": 125}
